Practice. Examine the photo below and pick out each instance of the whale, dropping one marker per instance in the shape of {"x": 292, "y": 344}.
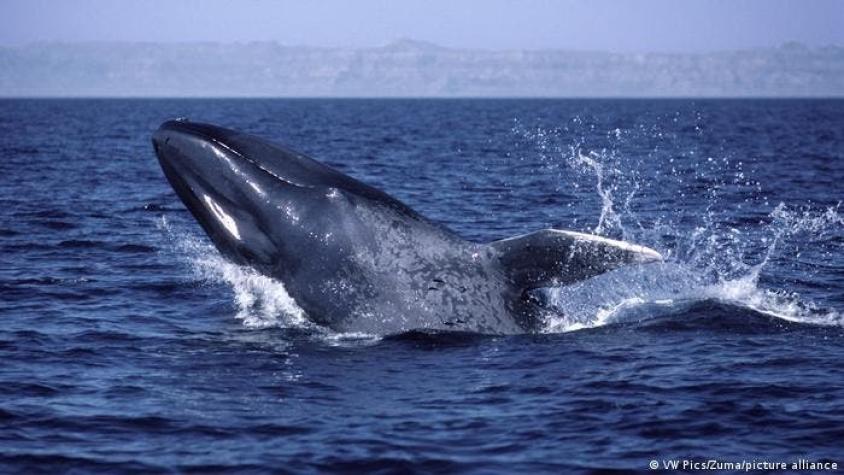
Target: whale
{"x": 356, "y": 259}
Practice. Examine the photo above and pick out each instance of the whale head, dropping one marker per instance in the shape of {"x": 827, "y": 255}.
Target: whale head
{"x": 261, "y": 204}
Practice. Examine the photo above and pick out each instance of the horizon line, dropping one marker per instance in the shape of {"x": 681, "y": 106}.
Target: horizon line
{"x": 421, "y": 44}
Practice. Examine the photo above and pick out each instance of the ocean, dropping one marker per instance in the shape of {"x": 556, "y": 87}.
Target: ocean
{"x": 129, "y": 345}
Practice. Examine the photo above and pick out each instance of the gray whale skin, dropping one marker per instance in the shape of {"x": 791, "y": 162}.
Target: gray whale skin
{"x": 358, "y": 260}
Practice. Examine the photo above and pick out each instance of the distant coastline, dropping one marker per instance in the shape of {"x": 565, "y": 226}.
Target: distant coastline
{"x": 408, "y": 68}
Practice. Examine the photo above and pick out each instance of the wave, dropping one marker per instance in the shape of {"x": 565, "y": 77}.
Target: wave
{"x": 671, "y": 290}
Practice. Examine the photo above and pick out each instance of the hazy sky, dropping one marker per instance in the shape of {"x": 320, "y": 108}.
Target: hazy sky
{"x": 617, "y": 25}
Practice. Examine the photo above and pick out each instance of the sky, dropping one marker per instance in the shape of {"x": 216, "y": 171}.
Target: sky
{"x": 607, "y": 25}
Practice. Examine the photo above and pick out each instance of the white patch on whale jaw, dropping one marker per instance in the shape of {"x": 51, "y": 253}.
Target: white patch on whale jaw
{"x": 222, "y": 217}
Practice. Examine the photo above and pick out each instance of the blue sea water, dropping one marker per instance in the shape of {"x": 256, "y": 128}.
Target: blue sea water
{"x": 128, "y": 345}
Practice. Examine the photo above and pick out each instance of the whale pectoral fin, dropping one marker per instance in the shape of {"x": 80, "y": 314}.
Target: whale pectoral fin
{"x": 552, "y": 257}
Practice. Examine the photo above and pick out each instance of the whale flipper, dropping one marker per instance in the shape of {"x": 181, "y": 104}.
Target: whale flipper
{"x": 553, "y": 257}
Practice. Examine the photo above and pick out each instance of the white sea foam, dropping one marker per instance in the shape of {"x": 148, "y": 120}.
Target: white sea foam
{"x": 656, "y": 290}
{"x": 260, "y": 301}
{"x": 713, "y": 262}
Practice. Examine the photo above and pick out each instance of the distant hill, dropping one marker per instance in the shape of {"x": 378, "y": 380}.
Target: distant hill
{"x": 409, "y": 68}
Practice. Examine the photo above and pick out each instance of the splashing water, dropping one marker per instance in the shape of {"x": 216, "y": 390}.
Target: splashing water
{"x": 261, "y": 301}
{"x": 717, "y": 259}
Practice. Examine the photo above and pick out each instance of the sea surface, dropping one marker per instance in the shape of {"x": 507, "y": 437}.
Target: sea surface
{"x": 128, "y": 345}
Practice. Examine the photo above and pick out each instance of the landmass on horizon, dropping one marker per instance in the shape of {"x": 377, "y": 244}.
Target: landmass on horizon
{"x": 408, "y": 68}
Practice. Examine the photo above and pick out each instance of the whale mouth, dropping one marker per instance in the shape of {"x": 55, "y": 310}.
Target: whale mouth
{"x": 221, "y": 186}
